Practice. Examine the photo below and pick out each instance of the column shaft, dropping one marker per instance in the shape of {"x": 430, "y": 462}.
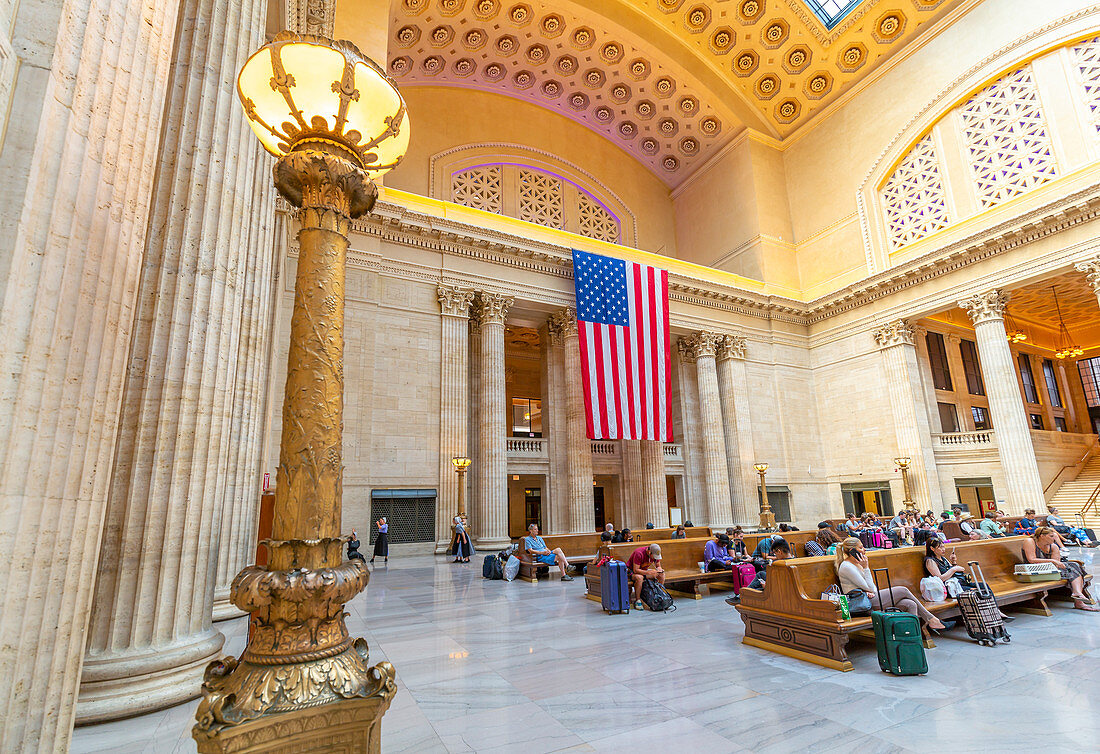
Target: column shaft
{"x": 632, "y": 509}
{"x": 150, "y": 634}
{"x": 491, "y": 526}
{"x": 735, "y": 427}
{"x": 914, "y": 438}
{"x": 474, "y": 419}
{"x": 694, "y": 506}
{"x": 453, "y": 390}
{"x": 78, "y": 176}
{"x": 582, "y": 512}
{"x": 555, "y": 509}
{"x": 654, "y": 492}
{"x": 715, "y": 465}
{"x": 1014, "y": 446}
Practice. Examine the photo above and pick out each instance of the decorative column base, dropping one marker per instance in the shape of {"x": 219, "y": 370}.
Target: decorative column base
{"x": 144, "y": 680}
{"x": 303, "y": 684}
{"x": 224, "y": 609}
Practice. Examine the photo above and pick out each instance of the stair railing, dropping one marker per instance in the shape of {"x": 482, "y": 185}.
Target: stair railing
{"x": 1091, "y": 502}
{"x": 1080, "y": 464}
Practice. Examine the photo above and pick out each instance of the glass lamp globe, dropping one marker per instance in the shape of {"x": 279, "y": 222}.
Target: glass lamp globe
{"x": 302, "y": 91}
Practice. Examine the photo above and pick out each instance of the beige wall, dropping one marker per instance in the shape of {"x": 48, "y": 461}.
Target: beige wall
{"x": 445, "y": 117}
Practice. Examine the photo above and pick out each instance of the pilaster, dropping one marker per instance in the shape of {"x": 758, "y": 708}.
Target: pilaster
{"x": 737, "y": 427}
{"x": 631, "y": 509}
{"x": 654, "y": 490}
{"x": 454, "y": 305}
{"x": 704, "y": 346}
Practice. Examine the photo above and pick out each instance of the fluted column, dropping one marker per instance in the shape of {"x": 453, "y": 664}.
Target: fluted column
{"x": 694, "y": 507}
{"x": 654, "y": 492}
{"x": 632, "y": 510}
{"x": 555, "y": 510}
{"x": 251, "y": 403}
{"x": 1091, "y": 269}
{"x": 78, "y": 173}
{"x": 715, "y": 467}
{"x": 897, "y": 342}
{"x": 1014, "y": 446}
{"x": 490, "y": 522}
{"x": 737, "y": 427}
{"x": 151, "y": 633}
{"x": 582, "y": 512}
{"x": 454, "y": 303}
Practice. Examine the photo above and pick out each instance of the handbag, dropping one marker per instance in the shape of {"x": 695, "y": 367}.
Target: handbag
{"x": 953, "y": 587}
{"x": 858, "y": 602}
{"x": 511, "y": 568}
{"x": 933, "y": 589}
{"x": 834, "y": 595}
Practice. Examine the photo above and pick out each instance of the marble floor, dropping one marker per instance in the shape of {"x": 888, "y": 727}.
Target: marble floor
{"x": 487, "y": 666}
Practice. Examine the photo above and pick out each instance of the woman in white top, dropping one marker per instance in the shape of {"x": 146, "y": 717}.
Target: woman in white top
{"x": 853, "y": 572}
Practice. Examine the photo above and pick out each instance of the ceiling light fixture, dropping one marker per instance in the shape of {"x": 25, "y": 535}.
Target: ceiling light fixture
{"x": 1067, "y": 349}
{"x": 1015, "y": 334}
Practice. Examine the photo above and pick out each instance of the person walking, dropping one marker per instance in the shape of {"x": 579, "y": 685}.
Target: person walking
{"x": 462, "y": 549}
{"x": 382, "y": 541}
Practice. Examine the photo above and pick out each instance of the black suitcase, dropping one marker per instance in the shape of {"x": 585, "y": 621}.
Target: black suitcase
{"x": 979, "y": 610}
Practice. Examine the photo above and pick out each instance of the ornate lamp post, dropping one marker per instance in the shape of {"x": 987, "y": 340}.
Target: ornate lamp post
{"x": 903, "y": 464}
{"x": 332, "y": 117}
{"x": 767, "y": 518}
{"x": 461, "y": 463}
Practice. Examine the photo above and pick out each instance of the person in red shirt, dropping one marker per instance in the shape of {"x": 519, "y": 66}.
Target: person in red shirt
{"x": 644, "y": 563}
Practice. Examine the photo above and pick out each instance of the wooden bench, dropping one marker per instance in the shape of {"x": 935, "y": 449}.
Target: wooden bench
{"x": 796, "y": 539}
{"x": 789, "y": 617}
{"x": 680, "y": 559}
{"x": 581, "y": 548}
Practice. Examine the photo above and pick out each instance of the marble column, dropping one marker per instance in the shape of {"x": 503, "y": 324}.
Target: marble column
{"x": 694, "y": 506}
{"x": 1091, "y": 270}
{"x": 490, "y": 524}
{"x": 654, "y": 490}
{"x": 79, "y": 159}
{"x": 252, "y": 410}
{"x": 737, "y": 428}
{"x": 897, "y": 343}
{"x": 454, "y": 303}
{"x": 582, "y": 511}
{"x": 150, "y": 635}
{"x": 474, "y": 475}
{"x": 555, "y": 510}
{"x": 1010, "y": 425}
{"x": 715, "y": 467}
{"x": 631, "y": 508}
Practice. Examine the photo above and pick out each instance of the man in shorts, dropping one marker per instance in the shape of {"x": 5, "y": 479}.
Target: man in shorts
{"x": 644, "y": 563}
{"x": 537, "y": 549}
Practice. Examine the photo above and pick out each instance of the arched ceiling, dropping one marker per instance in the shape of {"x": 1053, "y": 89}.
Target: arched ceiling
{"x": 670, "y": 81}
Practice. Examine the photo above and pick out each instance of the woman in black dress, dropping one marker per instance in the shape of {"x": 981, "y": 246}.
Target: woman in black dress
{"x": 382, "y": 542}
{"x": 353, "y": 547}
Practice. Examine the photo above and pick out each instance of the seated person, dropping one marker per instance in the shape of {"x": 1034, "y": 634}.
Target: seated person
{"x": 900, "y": 528}
{"x": 737, "y": 549}
{"x": 623, "y": 536}
{"x": 781, "y": 550}
{"x": 853, "y": 572}
{"x": 764, "y": 546}
{"x": 821, "y": 543}
{"x": 963, "y": 520}
{"x": 1042, "y": 547}
{"x": 1084, "y": 537}
{"x": 649, "y": 525}
{"x": 784, "y": 527}
{"x": 353, "y": 547}
{"x": 535, "y": 546}
{"x": 680, "y": 533}
{"x": 851, "y": 525}
{"x": 609, "y": 528}
{"x": 990, "y": 526}
{"x": 644, "y": 563}
{"x": 1027, "y": 525}
{"x": 602, "y": 555}
{"x": 716, "y": 554}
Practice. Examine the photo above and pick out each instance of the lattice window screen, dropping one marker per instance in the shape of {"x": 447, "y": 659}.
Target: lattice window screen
{"x": 1007, "y": 138}
{"x": 914, "y": 198}
{"x": 540, "y": 199}
{"x": 479, "y": 188}
{"x": 410, "y": 514}
{"x": 595, "y": 221}
{"x": 1086, "y": 55}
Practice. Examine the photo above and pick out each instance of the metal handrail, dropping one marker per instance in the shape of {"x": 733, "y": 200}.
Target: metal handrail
{"x": 1091, "y": 501}
{"x": 1092, "y": 448}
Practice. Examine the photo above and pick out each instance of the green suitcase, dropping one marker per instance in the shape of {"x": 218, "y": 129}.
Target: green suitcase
{"x": 898, "y": 638}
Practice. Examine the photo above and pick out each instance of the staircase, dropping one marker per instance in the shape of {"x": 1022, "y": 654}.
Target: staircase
{"x": 1072, "y": 496}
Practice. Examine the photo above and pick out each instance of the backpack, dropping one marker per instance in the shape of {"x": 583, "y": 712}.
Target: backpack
{"x": 656, "y": 598}
{"x": 491, "y": 568}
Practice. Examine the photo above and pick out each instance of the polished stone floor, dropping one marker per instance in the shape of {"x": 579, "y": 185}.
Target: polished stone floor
{"x": 487, "y": 666}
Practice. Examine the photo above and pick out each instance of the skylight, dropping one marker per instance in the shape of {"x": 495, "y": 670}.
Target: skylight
{"x": 831, "y": 11}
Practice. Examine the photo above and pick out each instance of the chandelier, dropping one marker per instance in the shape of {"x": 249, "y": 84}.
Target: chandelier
{"x": 1015, "y": 334}
{"x": 1067, "y": 349}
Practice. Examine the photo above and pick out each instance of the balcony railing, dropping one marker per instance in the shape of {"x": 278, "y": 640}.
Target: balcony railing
{"x": 605, "y": 448}
{"x": 962, "y": 440}
{"x": 538, "y": 448}
{"x": 526, "y": 447}
{"x": 674, "y": 452}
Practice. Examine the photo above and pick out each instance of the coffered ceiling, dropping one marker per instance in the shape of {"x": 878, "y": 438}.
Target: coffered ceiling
{"x": 670, "y": 81}
{"x": 1035, "y": 304}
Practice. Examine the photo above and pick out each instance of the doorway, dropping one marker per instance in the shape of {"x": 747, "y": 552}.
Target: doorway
{"x": 597, "y": 504}
{"x": 976, "y": 495}
{"x": 532, "y": 507}
{"x": 867, "y": 497}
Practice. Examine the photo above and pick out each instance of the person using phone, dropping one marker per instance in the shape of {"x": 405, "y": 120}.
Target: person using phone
{"x": 1042, "y": 547}
{"x": 854, "y": 572}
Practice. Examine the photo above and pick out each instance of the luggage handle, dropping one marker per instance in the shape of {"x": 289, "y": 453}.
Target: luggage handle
{"x": 889, "y": 586}
{"x": 976, "y": 572}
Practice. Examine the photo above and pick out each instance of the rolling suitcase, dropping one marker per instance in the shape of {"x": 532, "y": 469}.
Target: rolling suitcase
{"x": 898, "y": 639}
{"x": 743, "y": 575}
{"x": 979, "y": 610}
{"x": 614, "y": 587}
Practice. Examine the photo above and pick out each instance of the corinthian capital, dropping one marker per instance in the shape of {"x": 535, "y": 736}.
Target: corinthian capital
{"x": 731, "y": 347}
{"x": 704, "y": 343}
{"x": 687, "y": 353}
{"x": 455, "y": 301}
{"x": 897, "y": 333}
{"x": 1091, "y": 268}
{"x": 492, "y": 308}
{"x": 563, "y": 324}
{"x": 986, "y": 306}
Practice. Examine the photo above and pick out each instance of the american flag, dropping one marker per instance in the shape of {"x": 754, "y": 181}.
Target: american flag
{"x": 622, "y": 319}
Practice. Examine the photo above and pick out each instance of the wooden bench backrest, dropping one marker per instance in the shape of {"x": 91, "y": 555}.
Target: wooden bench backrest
{"x": 676, "y": 554}
{"x": 796, "y": 539}
{"x": 658, "y": 535}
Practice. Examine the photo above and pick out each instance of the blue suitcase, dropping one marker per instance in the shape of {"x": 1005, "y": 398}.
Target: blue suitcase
{"x": 614, "y": 587}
